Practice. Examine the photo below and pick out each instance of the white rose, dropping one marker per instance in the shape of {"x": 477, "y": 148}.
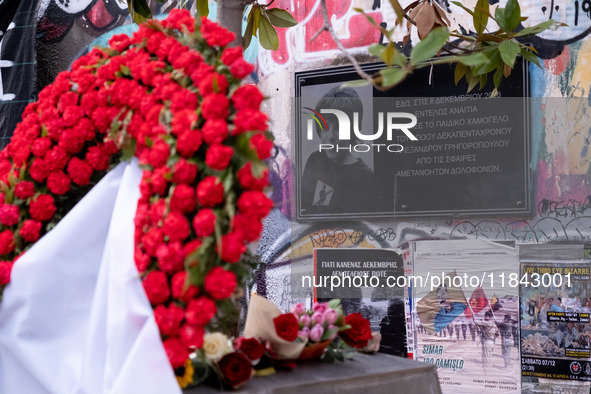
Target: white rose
{"x": 215, "y": 345}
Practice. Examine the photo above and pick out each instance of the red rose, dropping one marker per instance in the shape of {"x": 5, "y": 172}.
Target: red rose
{"x": 248, "y": 180}
{"x": 183, "y": 199}
{"x": 359, "y": 333}
{"x": 184, "y": 172}
{"x": 213, "y": 83}
{"x": 236, "y": 369}
{"x": 192, "y": 336}
{"x": 214, "y": 131}
{"x": 218, "y": 157}
{"x": 176, "y": 226}
{"x": 210, "y": 192}
{"x": 200, "y": 311}
{"x": 151, "y": 240}
{"x": 232, "y": 248}
{"x": 241, "y": 68}
{"x": 249, "y": 228}
{"x": 177, "y": 353}
{"x": 170, "y": 257}
{"x": 5, "y": 271}
{"x": 6, "y": 242}
{"x": 219, "y": 283}
{"x": 156, "y": 287}
{"x": 215, "y": 106}
{"x": 58, "y": 182}
{"x": 30, "y": 230}
{"x": 168, "y": 319}
{"x": 262, "y": 146}
{"x": 79, "y": 171}
{"x": 287, "y": 326}
{"x": 204, "y": 222}
{"x": 42, "y": 208}
{"x": 254, "y": 203}
{"x": 247, "y": 97}
{"x": 250, "y": 347}
{"x": 181, "y": 290}
{"x": 230, "y": 55}
{"x": 24, "y": 190}
{"x": 188, "y": 143}
{"x": 9, "y": 214}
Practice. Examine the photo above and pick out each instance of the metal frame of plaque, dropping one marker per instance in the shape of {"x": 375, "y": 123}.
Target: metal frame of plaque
{"x": 404, "y": 189}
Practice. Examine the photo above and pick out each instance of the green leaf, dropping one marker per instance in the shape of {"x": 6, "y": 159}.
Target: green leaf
{"x": 540, "y": 27}
{"x": 358, "y": 83}
{"x": 530, "y": 57}
{"x": 429, "y": 46}
{"x": 480, "y": 17}
{"x": 471, "y": 79}
{"x": 500, "y": 18}
{"x": 281, "y": 18}
{"x": 248, "y": 33}
{"x": 139, "y": 10}
{"x": 201, "y": 372}
{"x": 339, "y": 356}
{"x": 473, "y": 59}
{"x": 256, "y": 15}
{"x": 512, "y": 15}
{"x": 509, "y": 51}
{"x": 376, "y": 50}
{"x": 202, "y": 7}
{"x": 459, "y": 72}
{"x": 345, "y": 327}
{"x": 494, "y": 59}
{"x": 483, "y": 79}
{"x": 392, "y": 75}
{"x": 267, "y": 35}
{"x": 334, "y": 303}
{"x": 388, "y": 54}
{"x": 498, "y": 77}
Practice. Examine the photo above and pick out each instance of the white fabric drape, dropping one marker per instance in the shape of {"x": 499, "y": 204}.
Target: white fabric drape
{"x": 75, "y": 318}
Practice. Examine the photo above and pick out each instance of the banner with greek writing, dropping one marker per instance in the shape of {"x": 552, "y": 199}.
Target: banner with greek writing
{"x": 555, "y": 306}
{"x": 466, "y": 314}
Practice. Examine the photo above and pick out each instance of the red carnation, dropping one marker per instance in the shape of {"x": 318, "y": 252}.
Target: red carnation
{"x": 214, "y": 34}
{"x": 192, "y": 336}
{"x": 41, "y": 146}
{"x": 5, "y": 271}
{"x": 241, "y": 68}
{"x": 9, "y": 214}
{"x": 214, "y": 131}
{"x": 79, "y": 171}
{"x": 56, "y": 159}
{"x": 42, "y": 208}
{"x": 58, "y": 182}
{"x": 188, "y": 143}
{"x": 236, "y": 369}
{"x": 250, "y": 347}
{"x": 218, "y": 157}
{"x": 287, "y": 326}
{"x": 30, "y": 230}
{"x": 204, "y": 222}
{"x": 142, "y": 260}
{"x": 262, "y": 146}
{"x": 248, "y": 180}
{"x": 158, "y": 153}
{"x": 97, "y": 158}
{"x": 200, "y": 311}
{"x": 177, "y": 353}
{"x": 249, "y": 228}
{"x": 360, "y": 332}
{"x": 213, "y": 83}
{"x": 181, "y": 290}
{"x": 254, "y": 203}
{"x": 215, "y": 106}
{"x": 191, "y": 246}
{"x": 232, "y": 247}
{"x": 247, "y": 97}
{"x": 6, "y": 242}
{"x": 24, "y": 190}
{"x": 249, "y": 120}
{"x": 183, "y": 120}
{"x": 156, "y": 212}
{"x": 151, "y": 240}
{"x": 210, "y": 192}
{"x": 158, "y": 181}
{"x": 39, "y": 170}
{"x": 156, "y": 287}
{"x": 183, "y": 199}
{"x": 176, "y": 226}
{"x": 71, "y": 140}
{"x": 230, "y": 55}
{"x": 184, "y": 172}
{"x": 170, "y": 257}
{"x": 219, "y": 283}
{"x": 168, "y": 319}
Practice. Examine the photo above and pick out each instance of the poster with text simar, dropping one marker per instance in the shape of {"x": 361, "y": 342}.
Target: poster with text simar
{"x": 555, "y": 305}
{"x": 466, "y": 314}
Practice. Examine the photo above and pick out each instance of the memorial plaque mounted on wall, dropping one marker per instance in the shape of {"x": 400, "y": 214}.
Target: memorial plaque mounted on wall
{"x": 467, "y": 154}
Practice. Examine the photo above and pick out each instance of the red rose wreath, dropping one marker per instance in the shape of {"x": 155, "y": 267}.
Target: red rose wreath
{"x": 171, "y": 96}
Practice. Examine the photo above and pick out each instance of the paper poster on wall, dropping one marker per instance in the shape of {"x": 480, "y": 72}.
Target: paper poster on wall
{"x": 466, "y": 314}
{"x": 555, "y": 306}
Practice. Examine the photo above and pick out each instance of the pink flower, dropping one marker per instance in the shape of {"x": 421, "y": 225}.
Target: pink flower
{"x": 304, "y": 333}
{"x": 335, "y": 332}
{"x": 330, "y": 316}
{"x": 298, "y": 309}
{"x": 320, "y": 307}
{"x": 316, "y": 333}
{"x": 317, "y": 318}
{"x": 305, "y": 320}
